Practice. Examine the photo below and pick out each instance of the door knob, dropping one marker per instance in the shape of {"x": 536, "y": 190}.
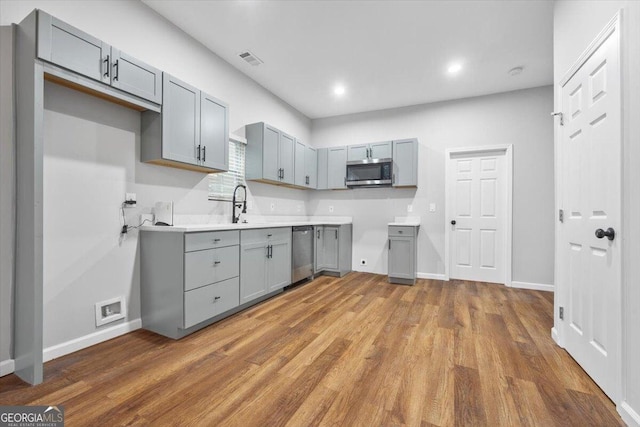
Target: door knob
{"x": 453, "y": 222}
{"x": 610, "y": 233}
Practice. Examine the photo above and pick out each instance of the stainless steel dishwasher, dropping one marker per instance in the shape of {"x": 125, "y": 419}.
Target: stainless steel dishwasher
{"x": 302, "y": 253}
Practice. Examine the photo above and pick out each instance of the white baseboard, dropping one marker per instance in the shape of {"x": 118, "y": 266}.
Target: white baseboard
{"x": 532, "y": 286}
{"x": 629, "y": 415}
{"x": 7, "y": 367}
{"x": 432, "y": 276}
{"x": 97, "y": 337}
{"x": 555, "y": 336}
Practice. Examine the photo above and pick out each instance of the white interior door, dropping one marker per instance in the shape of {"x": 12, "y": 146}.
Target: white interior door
{"x": 589, "y": 262}
{"x": 477, "y": 192}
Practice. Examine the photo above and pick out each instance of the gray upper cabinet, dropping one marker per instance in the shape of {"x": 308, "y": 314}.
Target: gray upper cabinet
{"x": 134, "y": 76}
{"x": 375, "y": 150}
{"x": 405, "y": 163}
{"x": 322, "y": 171}
{"x": 337, "y": 168}
{"x": 306, "y": 166}
{"x": 77, "y": 51}
{"x": 191, "y": 133}
{"x": 214, "y": 132}
{"x": 269, "y": 154}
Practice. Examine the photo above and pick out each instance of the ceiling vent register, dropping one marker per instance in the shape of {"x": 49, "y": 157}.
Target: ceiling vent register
{"x": 250, "y": 58}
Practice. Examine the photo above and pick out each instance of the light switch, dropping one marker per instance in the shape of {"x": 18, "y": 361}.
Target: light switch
{"x": 330, "y": 209}
{"x": 273, "y": 207}
{"x": 432, "y": 207}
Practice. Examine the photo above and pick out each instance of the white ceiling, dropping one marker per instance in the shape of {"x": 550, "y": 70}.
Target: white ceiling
{"x": 386, "y": 53}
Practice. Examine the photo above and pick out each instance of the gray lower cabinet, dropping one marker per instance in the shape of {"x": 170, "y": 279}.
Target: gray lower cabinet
{"x": 265, "y": 262}
{"x": 333, "y": 249}
{"x": 269, "y": 154}
{"x": 402, "y": 248}
{"x": 337, "y": 168}
{"x": 191, "y": 133}
{"x": 405, "y": 163}
{"x": 77, "y": 51}
{"x": 188, "y": 280}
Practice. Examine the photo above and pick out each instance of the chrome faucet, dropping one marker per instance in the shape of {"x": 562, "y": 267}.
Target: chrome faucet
{"x": 236, "y": 204}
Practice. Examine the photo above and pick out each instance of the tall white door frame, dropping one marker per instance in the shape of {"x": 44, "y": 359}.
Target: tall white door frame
{"x": 559, "y": 332}
{"x": 507, "y": 149}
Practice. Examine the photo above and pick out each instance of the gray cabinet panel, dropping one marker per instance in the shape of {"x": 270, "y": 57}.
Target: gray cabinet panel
{"x": 311, "y": 167}
{"x": 214, "y": 132}
{"x": 323, "y": 158}
{"x": 286, "y": 157}
{"x": 380, "y": 150}
{"x": 402, "y": 247}
{"x": 300, "y": 165}
{"x": 180, "y": 116}
{"x": 358, "y": 152}
{"x": 271, "y": 156}
{"x": 401, "y": 257}
{"x": 253, "y": 271}
{"x": 331, "y": 247}
{"x": 279, "y": 265}
{"x": 136, "y": 77}
{"x": 210, "y": 266}
{"x": 337, "y": 168}
{"x": 204, "y": 303}
{"x": 71, "y": 48}
{"x": 405, "y": 163}
{"x": 210, "y": 240}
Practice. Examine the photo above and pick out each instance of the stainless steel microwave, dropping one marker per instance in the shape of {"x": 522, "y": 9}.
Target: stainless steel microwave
{"x": 370, "y": 173}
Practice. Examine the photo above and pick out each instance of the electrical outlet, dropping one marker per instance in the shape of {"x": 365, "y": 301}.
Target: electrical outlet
{"x": 330, "y": 209}
{"x": 432, "y": 207}
{"x": 363, "y": 261}
{"x": 409, "y": 208}
{"x": 129, "y": 200}
{"x": 273, "y": 207}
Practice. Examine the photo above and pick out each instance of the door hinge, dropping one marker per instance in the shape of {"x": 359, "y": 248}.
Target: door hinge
{"x": 561, "y": 117}
{"x": 561, "y": 313}
{"x": 561, "y": 215}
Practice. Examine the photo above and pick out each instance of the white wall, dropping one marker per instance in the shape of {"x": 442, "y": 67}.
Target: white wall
{"x": 520, "y": 118}
{"x": 576, "y": 24}
{"x": 92, "y": 152}
{"x": 7, "y": 192}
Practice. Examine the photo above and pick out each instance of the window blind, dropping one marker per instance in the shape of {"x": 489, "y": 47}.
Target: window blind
{"x": 221, "y": 185}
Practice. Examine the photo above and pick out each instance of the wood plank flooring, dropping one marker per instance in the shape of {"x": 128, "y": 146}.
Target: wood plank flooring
{"x": 355, "y": 351}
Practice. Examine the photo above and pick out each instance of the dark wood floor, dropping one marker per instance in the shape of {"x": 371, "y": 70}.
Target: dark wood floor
{"x": 345, "y": 352}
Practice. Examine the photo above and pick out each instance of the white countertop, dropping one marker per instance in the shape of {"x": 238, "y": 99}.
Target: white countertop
{"x": 190, "y": 228}
{"x": 406, "y": 221}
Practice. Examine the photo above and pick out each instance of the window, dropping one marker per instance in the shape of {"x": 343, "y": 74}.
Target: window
{"x": 221, "y": 185}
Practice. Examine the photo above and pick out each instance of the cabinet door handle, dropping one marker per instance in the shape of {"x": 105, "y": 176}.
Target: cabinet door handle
{"x": 336, "y": 234}
{"x": 269, "y": 235}
{"x": 216, "y": 262}
{"x": 204, "y": 153}
{"x": 389, "y": 244}
{"x": 198, "y": 152}
{"x": 393, "y": 178}
{"x": 116, "y": 67}
{"x": 318, "y": 234}
{"x": 106, "y": 62}
{"x": 270, "y": 251}
{"x": 216, "y": 240}
{"x": 216, "y": 299}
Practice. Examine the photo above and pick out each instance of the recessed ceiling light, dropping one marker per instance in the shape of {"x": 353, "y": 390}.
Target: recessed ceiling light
{"x": 339, "y": 90}
{"x": 515, "y": 71}
{"x": 454, "y": 67}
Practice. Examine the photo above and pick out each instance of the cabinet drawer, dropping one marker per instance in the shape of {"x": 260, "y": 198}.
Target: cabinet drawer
{"x": 265, "y": 235}
{"x": 210, "y": 239}
{"x": 210, "y": 266}
{"x": 402, "y": 230}
{"x": 209, "y": 301}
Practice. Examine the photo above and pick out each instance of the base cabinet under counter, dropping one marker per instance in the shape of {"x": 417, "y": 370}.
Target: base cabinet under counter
{"x": 188, "y": 280}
